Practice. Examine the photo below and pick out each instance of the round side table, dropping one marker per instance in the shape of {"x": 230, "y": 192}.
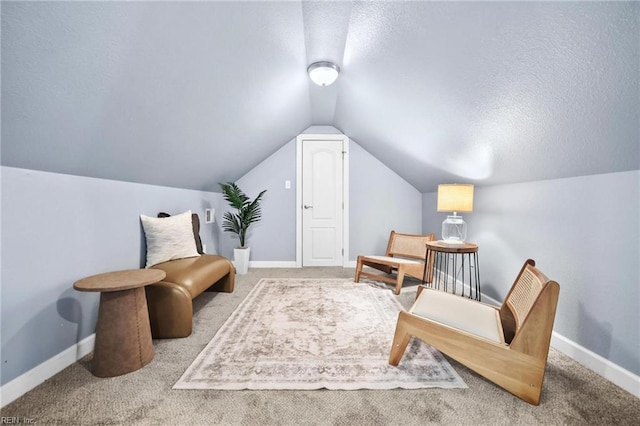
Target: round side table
{"x": 123, "y": 335}
{"x": 444, "y": 266}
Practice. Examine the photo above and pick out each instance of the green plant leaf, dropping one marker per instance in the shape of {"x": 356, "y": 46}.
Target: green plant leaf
{"x": 248, "y": 211}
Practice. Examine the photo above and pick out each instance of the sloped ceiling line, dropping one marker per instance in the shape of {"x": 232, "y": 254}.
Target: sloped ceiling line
{"x": 188, "y": 94}
{"x": 326, "y": 26}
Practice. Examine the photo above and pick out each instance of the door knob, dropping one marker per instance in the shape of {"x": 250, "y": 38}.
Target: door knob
{"x": 307, "y": 207}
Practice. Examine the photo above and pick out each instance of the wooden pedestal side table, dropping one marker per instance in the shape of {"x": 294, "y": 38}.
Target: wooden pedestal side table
{"x": 123, "y": 335}
{"x": 449, "y": 263}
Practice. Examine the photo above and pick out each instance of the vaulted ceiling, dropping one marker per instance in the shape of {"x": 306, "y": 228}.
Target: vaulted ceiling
{"x": 190, "y": 94}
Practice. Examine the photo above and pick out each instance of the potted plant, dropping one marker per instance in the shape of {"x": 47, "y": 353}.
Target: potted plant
{"x": 247, "y": 212}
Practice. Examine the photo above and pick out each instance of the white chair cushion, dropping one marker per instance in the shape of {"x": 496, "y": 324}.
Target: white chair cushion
{"x": 392, "y": 259}
{"x": 459, "y": 312}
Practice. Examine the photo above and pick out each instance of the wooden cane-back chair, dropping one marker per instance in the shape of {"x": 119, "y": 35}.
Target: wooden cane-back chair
{"x": 405, "y": 255}
{"x": 507, "y": 345}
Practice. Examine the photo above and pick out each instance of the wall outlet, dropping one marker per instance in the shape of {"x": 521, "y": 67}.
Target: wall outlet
{"x": 204, "y": 248}
{"x": 209, "y": 215}
{"x": 287, "y": 184}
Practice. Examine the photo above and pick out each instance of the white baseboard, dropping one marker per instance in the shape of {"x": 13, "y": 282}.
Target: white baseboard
{"x": 285, "y": 264}
{"x": 596, "y": 363}
{"x": 272, "y": 264}
{"x": 37, "y": 375}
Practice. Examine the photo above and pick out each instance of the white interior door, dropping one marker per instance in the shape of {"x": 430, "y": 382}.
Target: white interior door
{"x": 322, "y": 203}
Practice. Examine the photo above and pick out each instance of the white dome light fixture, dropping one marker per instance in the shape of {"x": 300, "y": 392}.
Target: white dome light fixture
{"x": 323, "y": 73}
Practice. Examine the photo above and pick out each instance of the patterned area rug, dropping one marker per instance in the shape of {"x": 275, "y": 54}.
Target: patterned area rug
{"x": 313, "y": 334}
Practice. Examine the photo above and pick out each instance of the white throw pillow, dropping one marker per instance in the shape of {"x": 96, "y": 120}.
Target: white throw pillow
{"x": 169, "y": 238}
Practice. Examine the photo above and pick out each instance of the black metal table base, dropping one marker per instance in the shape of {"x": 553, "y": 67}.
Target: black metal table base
{"x": 448, "y": 267}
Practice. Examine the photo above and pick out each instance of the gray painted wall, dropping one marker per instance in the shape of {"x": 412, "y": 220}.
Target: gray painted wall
{"x": 274, "y": 237}
{"x": 582, "y": 232}
{"x": 57, "y": 229}
{"x": 380, "y": 201}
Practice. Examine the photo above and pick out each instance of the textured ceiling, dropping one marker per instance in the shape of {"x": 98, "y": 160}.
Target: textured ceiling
{"x": 189, "y": 94}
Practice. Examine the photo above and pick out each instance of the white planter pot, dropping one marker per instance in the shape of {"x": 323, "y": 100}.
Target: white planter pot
{"x": 241, "y": 260}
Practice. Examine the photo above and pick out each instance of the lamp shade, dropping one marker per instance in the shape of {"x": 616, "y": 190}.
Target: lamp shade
{"x": 455, "y": 198}
{"x": 323, "y": 73}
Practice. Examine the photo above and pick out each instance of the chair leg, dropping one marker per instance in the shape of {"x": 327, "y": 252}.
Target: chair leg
{"x": 358, "y": 269}
{"x": 399, "y": 279}
{"x": 401, "y": 339}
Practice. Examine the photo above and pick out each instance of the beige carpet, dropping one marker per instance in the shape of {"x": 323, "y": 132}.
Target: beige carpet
{"x": 312, "y": 334}
{"x": 571, "y": 395}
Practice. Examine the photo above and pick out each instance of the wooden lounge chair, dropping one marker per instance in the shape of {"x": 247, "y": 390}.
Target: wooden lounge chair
{"x": 507, "y": 345}
{"x": 405, "y": 255}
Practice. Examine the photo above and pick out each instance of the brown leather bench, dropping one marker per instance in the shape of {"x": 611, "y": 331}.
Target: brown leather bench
{"x": 170, "y": 301}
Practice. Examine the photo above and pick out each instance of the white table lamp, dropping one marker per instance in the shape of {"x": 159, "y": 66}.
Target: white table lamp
{"x": 455, "y": 198}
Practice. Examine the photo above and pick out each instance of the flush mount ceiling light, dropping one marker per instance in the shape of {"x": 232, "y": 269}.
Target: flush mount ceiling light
{"x": 323, "y": 73}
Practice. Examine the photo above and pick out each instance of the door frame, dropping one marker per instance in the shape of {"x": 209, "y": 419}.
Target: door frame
{"x": 345, "y": 192}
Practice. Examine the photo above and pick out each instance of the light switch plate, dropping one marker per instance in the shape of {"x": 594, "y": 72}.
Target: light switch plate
{"x": 209, "y": 215}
